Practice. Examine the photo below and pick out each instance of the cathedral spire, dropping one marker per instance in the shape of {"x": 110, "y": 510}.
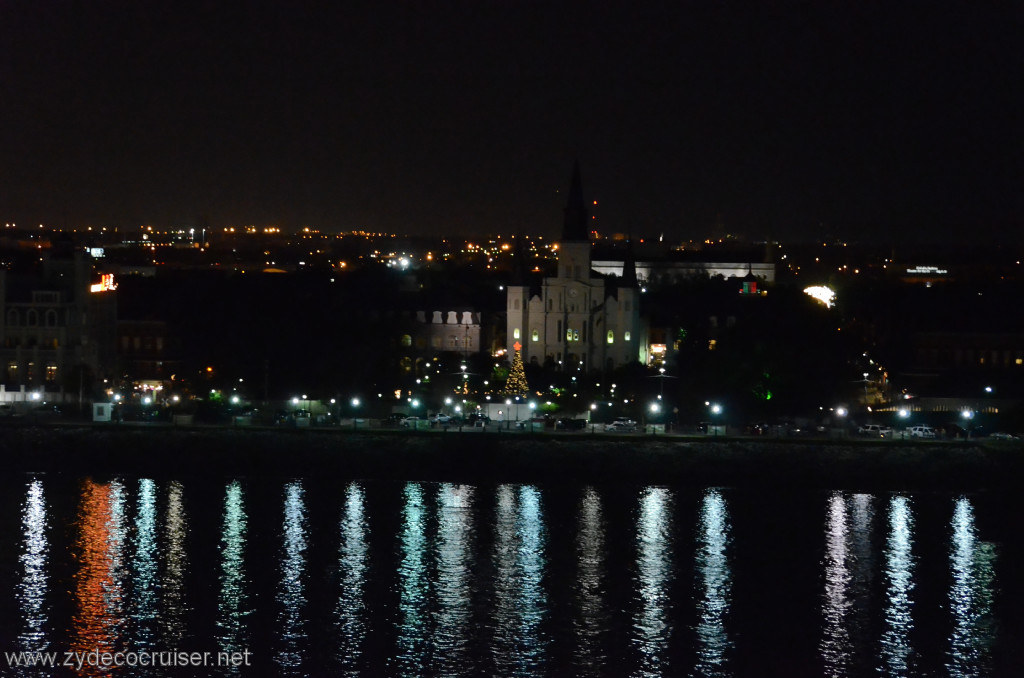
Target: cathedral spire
{"x": 629, "y": 266}
{"x": 575, "y": 227}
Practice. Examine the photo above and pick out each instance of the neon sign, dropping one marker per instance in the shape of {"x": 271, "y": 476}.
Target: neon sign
{"x": 106, "y": 284}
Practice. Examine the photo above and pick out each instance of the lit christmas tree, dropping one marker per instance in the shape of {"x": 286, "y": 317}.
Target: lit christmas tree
{"x": 516, "y": 384}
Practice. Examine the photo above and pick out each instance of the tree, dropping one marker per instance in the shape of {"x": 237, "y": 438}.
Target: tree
{"x": 516, "y": 384}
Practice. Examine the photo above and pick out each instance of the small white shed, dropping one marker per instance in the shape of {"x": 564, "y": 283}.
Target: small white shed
{"x": 102, "y": 411}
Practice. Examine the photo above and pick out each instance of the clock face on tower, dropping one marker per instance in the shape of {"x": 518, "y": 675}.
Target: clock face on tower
{"x": 573, "y": 292}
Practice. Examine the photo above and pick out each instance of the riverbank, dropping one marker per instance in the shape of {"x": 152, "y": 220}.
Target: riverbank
{"x": 869, "y": 465}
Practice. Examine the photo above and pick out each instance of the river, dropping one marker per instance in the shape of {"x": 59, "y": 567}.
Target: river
{"x": 311, "y": 576}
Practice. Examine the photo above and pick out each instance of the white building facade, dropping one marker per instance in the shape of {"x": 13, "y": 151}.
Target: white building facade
{"x": 577, "y": 320}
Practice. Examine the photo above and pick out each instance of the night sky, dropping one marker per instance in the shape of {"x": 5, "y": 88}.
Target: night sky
{"x": 791, "y": 120}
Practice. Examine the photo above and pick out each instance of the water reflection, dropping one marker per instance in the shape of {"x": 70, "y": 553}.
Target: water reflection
{"x": 351, "y": 610}
{"x": 899, "y": 578}
{"x": 520, "y": 643}
{"x": 34, "y": 556}
{"x": 651, "y": 628}
{"x": 98, "y": 621}
{"x": 716, "y": 579}
{"x": 145, "y": 567}
{"x": 232, "y": 601}
{"x": 176, "y": 564}
{"x": 291, "y": 591}
{"x": 970, "y": 596}
{"x": 414, "y": 585}
{"x": 454, "y": 566}
{"x": 591, "y": 620}
{"x": 835, "y": 645}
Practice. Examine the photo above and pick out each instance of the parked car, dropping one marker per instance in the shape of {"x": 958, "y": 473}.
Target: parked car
{"x": 410, "y": 422}
{"x": 621, "y": 425}
{"x": 440, "y": 419}
{"x": 1000, "y": 435}
{"x": 921, "y": 432}
{"x": 571, "y": 424}
{"x": 875, "y": 431}
{"x": 394, "y": 419}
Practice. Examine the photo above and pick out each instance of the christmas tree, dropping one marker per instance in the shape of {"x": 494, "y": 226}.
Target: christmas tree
{"x": 516, "y": 384}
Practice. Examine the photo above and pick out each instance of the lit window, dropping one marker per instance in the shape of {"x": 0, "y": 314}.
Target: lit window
{"x": 406, "y": 340}
{"x": 535, "y": 335}
{"x": 1019, "y": 361}
{"x": 625, "y": 335}
{"x": 568, "y": 334}
{"x": 51, "y": 373}
{"x": 611, "y": 337}
{"x": 515, "y": 333}
{"x": 575, "y": 335}
{"x": 712, "y": 344}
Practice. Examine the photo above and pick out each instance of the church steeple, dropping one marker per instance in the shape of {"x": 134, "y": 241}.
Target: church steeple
{"x": 574, "y": 249}
{"x": 575, "y": 227}
{"x": 629, "y": 267}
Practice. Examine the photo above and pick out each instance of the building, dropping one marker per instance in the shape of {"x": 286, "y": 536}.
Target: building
{"x": 667, "y": 271}
{"x": 57, "y": 327}
{"x": 577, "y": 319}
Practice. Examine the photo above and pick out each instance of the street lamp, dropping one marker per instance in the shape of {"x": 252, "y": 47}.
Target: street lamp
{"x": 716, "y": 410}
{"x": 967, "y": 415}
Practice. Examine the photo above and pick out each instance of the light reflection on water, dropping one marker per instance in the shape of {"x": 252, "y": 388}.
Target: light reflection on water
{"x": 835, "y": 644}
{"x": 350, "y": 610}
{"x": 520, "y": 643}
{"x": 98, "y": 622}
{"x": 651, "y": 626}
{"x": 590, "y": 621}
{"x": 715, "y": 581}
{"x": 899, "y": 586}
{"x": 848, "y": 574}
{"x": 414, "y": 585}
{"x": 175, "y": 605}
{"x": 291, "y": 592}
{"x": 470, "y": 580}
{"x": 145, "y": 568}
{"x": 970, "y": 596}
{"x": 34, "y": 558}
{"x": 232, "y": 600}
{"x": 453, "y": 555}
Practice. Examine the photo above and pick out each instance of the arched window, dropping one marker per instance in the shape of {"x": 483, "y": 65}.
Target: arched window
{"x": 535, "y": 335}
{"x": 611, "y": 337}
{"x": 515, "y": 333}
{"x": 51, "y": 318}
{"x": 32, "y": 318}
{"x": 625, "y": 335}
{"x": 406, "y": 340}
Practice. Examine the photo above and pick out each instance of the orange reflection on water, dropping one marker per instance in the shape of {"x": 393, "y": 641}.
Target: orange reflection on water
{"x": 98, "y": 621}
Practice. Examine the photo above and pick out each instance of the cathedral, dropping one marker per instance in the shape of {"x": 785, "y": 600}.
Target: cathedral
{"x": 578, "y": 319}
